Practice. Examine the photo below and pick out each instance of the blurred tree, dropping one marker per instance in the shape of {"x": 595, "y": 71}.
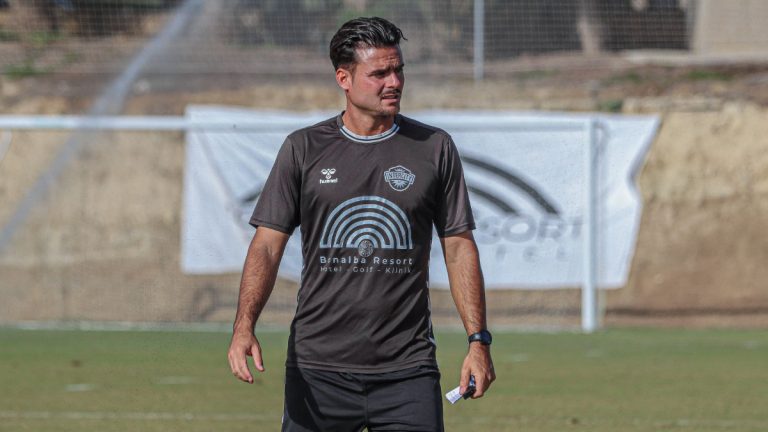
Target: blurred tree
{"x": 93, "y": 17}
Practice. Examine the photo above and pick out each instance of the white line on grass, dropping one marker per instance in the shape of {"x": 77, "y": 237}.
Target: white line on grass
{"x": 175, "y": 380}
{"x": 130, "y": 326}
{"x": 226, "y": 327}
{"x": 142, "y": 416}
{"x": 84, "y": 387}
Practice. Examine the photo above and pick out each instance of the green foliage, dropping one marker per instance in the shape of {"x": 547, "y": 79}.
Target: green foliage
{"x": 8, "y": 36}
{"x": 708, "y": 75}
{"x": 611, "y": 105}
{"x": 41, "y": 39}
{"x": 71, "y": 57}
{"x": 625, "y": 78}
{"x": 24, "y": 70}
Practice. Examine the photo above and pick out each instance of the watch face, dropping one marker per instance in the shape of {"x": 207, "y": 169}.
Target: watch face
{"x": 483, "y": 336}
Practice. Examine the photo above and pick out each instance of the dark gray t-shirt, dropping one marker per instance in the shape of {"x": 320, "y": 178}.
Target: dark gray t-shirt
{"x": 366, "y": 207}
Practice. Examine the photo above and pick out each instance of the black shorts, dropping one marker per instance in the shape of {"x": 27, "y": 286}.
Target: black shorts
{"x": 407, "y": 400}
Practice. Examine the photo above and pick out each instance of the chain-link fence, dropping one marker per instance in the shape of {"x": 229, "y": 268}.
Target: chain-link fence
{"x": 291, "y": 36}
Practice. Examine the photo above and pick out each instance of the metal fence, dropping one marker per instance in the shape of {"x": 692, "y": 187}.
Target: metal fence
{"x": 291, "y": 36}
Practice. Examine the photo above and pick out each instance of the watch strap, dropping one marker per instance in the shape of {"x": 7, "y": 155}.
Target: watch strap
{"x": 483, "y": 336}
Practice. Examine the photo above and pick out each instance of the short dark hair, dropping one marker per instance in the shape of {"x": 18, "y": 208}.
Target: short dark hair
{"x": 362, "y": 33}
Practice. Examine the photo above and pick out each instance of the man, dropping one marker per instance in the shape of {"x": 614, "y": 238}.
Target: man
{"x": 365, "y": 187}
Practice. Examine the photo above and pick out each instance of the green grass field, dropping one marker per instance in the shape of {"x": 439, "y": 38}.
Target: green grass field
{"x": 616, "y": 380}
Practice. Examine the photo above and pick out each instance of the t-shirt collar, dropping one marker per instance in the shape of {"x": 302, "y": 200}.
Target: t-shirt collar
{"x": 369, "y": 139}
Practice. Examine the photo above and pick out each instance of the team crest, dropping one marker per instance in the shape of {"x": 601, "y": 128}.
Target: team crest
{"x": 399, "y": 177}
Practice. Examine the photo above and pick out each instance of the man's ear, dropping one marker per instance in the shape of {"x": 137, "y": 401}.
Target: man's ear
{"x": 344, "y": 78}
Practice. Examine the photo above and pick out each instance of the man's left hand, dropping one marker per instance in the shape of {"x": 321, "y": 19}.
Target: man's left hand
{"x": 479, "y": 364}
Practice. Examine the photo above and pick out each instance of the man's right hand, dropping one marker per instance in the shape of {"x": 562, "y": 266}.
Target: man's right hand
{"x": 242, "y": 345}
{"x": 259, "y": 274}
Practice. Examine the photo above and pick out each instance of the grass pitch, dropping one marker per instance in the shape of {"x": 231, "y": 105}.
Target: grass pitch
{"x": 616, "y": 380}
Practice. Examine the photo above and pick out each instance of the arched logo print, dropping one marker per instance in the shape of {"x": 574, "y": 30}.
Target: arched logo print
{"x": 367, "y": 223}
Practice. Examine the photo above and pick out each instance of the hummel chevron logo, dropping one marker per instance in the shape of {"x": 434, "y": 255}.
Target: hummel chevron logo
{"x": 328, "y": 173}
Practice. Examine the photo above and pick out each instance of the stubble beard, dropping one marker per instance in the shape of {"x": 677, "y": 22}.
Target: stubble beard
{"x": 381, "y": 110}
{"x": 390, "y": 110}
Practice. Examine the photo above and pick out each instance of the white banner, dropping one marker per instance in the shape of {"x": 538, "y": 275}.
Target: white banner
{"x": 524, "y": 172}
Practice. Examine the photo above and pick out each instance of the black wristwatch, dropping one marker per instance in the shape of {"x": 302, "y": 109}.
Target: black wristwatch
{"x": 483, "y": 336}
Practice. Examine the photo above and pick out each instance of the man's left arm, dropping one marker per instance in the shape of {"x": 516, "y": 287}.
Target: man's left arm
{"x": 466, "y": 279}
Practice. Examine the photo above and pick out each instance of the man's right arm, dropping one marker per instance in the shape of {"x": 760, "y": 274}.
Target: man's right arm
{"x": 259, "y": 274}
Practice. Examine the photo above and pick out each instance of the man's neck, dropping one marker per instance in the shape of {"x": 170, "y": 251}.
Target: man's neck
{"x": 365, "y": 124}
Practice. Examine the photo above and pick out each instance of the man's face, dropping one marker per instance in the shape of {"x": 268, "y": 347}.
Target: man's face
{"x": 375, "y": 84}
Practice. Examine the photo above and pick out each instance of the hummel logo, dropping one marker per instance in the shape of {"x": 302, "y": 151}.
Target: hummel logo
{"x": 328, "y": 173}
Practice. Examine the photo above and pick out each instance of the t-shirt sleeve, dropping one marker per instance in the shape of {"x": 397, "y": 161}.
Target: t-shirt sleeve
{"x": 454, "y": 213}
{"x": 278, "y": 206}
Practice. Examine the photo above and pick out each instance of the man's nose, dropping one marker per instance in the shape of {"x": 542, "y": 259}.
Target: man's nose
{"x": 394, "y": 80}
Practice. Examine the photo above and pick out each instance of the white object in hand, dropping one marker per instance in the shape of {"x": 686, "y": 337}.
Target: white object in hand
{"x": 454, "y": 395}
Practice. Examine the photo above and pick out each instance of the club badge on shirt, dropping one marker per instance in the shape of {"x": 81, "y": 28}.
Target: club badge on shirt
{"x": 399, "y": 177}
